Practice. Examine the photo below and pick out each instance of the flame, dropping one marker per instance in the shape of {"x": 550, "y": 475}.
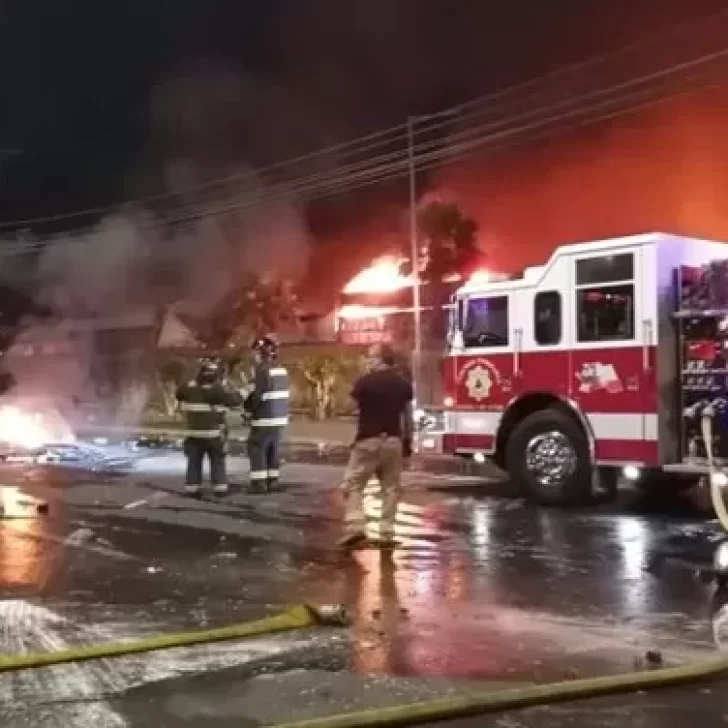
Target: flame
{"x": 480, "y": 277}
{"x": 383, "y": 276}
{"x": 356, "y": 312}
{"x": 31, "y": 430}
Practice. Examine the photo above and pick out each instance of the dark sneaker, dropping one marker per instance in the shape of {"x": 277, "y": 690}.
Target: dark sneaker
{"x": 352, "y": 540}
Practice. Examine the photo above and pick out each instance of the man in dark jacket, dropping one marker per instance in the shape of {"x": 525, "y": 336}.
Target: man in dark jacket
{"x": 382, "y": 446}
{"x": 267, "y": 406}
{"x": 205, "y": 400}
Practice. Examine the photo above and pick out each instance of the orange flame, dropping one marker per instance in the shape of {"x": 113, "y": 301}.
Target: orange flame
{"x": 480, "y": 277}
{"x": 30, "y": 430}
{"x": 383, "y": 276}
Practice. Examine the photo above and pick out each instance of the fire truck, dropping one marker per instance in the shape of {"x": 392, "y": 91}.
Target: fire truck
{"x": 609, "y": 361}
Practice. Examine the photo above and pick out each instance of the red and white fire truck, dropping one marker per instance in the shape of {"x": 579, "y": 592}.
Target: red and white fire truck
{"x": 609, "y": 360}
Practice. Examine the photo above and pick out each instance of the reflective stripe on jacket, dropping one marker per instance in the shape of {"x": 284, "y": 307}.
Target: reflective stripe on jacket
{"x": 205, "y": 405}
{"x": 268, "y": 402}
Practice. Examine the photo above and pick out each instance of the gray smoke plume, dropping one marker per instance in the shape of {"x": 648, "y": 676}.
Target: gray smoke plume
{"x": 127, "y": 270}
{"x": 218, "y": 225}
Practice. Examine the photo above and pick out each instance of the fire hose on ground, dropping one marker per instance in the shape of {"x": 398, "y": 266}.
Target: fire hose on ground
{"x": 300, "y": 617}
{"x": 307, "y": 616}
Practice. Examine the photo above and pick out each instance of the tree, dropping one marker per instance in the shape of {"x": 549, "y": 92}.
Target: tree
{"x": 254, "y": 308}
{"x": 450, "y": 240}
{"x": 450, "y": 248}
{"x": 322, "y": 373}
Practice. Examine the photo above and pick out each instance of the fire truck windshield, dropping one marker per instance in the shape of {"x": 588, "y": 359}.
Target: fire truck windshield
{"x": 486, "y": 322}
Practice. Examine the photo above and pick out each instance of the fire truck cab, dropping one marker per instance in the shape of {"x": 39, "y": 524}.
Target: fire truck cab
{"x": 608, "y": 360}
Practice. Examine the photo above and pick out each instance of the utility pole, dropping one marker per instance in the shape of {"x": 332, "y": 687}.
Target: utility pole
{"x": 414, "y": 253}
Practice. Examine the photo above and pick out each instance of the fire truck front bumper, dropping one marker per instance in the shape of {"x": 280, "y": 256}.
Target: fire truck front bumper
{"x": 430, "y": 435}
{"x": 430, "y": 443}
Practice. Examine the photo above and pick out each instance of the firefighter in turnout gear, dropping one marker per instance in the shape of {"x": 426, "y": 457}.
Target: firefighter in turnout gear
{"x": 205, "y": 400}
{"x": 267, "y": 407}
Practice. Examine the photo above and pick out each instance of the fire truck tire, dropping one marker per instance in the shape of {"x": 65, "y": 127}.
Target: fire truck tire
{"x": 534, "y": 438}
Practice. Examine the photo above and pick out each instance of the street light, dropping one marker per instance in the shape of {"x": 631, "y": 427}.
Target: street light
{"x": 412, "y": 121}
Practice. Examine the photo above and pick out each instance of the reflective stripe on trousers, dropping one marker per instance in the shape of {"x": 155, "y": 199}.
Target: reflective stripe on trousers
{"x": 264, "y": 453}
{"x": 270, "y": 422}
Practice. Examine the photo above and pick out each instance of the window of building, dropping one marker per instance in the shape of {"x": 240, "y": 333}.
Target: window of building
{"x": 547, "y": 318}
{"x": 486, "y": 322}
{"x": 605, "y": 313}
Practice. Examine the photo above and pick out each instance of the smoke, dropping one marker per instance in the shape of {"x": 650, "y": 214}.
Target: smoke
{"x": 195, "y": 248}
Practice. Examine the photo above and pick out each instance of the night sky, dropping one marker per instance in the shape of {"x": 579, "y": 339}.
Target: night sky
{"x": 95, "y": 105}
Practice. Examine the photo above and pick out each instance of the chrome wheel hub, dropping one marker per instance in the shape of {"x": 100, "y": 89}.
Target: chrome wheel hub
{"x": 550, "y": 458}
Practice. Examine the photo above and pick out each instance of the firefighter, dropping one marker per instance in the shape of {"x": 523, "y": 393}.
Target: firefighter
{"x": 267, "y": 407}
{"x": 204, "y": 400}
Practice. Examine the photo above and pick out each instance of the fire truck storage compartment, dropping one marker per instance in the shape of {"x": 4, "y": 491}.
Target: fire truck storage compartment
{"x": 702, "y": 337}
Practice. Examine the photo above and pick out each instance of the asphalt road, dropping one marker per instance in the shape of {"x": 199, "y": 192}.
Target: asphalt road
{"x": 485, "y": 589}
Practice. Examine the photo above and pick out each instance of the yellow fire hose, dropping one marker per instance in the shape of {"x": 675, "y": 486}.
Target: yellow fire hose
{"x": 299, "y": 617}
{"x": 519, "y": 698}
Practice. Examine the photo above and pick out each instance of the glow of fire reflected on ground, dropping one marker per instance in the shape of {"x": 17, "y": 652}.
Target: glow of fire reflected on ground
{"x": 393, "y": 596}
{"x": 23, "y": 553}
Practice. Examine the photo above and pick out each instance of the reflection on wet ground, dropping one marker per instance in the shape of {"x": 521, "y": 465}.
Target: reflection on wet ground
{"x": 482, "y": 587}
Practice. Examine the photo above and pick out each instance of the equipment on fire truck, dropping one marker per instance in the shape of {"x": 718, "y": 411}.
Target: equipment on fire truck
{"x": 702, "y": 323}
{"x": 702, "y": 333}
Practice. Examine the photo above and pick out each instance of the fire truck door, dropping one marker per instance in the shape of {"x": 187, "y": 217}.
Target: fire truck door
{"x": 610, "y": 350}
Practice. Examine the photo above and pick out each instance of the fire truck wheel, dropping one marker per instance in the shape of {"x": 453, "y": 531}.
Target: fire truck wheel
{"x": 547, "y": 455}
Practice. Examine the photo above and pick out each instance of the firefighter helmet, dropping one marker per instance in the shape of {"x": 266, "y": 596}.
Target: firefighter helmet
{"x": 267, "y": 347}
{"x": 210, "y": 371}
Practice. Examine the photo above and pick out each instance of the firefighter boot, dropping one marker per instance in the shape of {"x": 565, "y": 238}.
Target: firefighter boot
{"x": 218, "y": 468}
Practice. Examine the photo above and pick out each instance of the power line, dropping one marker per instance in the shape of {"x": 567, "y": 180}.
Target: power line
{"x": 601, "y": 100}
{"x": 604, "y": 106}
{"x": 385, "y": 138}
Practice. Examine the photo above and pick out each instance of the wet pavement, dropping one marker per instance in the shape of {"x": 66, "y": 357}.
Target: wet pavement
{"x": 484, "y": 590}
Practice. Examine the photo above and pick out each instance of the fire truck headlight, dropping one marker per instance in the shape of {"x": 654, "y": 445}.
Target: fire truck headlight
{"x": 478, "y": 457}
{"x": 428, "y": 444}
{"x": 448, "y": 402}
{"x": 719, "y": 479}
{"x": 631, "y": 472}
{"x": 720, "y": 558}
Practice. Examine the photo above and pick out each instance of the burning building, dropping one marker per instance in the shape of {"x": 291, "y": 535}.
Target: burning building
{"x": 377, "y": 305}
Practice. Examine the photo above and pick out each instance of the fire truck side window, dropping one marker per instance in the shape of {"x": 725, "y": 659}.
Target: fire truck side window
{"x": 486, "y": 322}
{"x": 605, "y": 313}
{"x": 547, "y": 318}
{"x": 605, "y": 295}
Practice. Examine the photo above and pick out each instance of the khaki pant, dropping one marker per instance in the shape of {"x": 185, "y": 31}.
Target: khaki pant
{"x": 379, "y": 457}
